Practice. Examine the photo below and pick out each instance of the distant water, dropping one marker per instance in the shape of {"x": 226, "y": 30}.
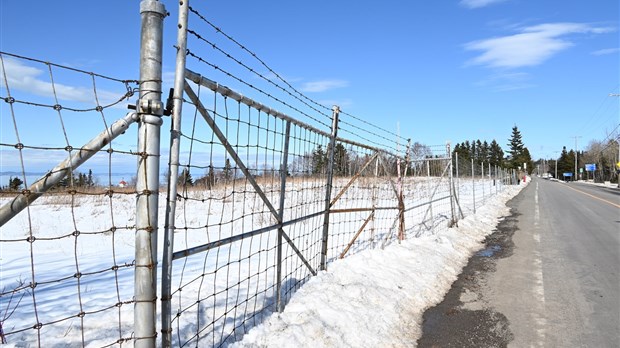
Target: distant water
{"x": 103, "y": 179}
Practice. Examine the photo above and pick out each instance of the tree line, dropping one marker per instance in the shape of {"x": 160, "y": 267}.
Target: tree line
{"x": 517, "y": 157}
{"x": 603, "y": 154}
{"x": 75, "y": 180}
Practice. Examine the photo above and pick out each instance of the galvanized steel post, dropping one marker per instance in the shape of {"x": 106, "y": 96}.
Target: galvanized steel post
{"x": 490, "y": 180}
{"x": 150, "y": 110}
{"x": 482, "y": 178}
{"x": 328, "y": 189}
{"x": 458, "y": 179}
{"x": 473, "y": 184}
{"x": 451, "y": 184}
{"x": 283, "y": 175}
{"x": 173, "y": 177}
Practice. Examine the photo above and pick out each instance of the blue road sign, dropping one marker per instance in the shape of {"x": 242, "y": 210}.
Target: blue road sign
{"x": 590, "y": 167}
{"x": 568, "y": 174}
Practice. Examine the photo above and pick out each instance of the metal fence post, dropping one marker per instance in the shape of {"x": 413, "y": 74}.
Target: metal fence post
{"x": 496, "y": 182}
{"x": 283, "y": 174}
{"x": 473, "y": 184}
{"x": 490, "y": 179}
{"x": 451, "y": 184}
{"x": 401, "y": 198}
{"x": 173, "y": 177}
{"x": 482, "y": 178}
{"x": 458, "y": 178}
{"x": 150, "y": 110}
{"x": 328, "y": 189}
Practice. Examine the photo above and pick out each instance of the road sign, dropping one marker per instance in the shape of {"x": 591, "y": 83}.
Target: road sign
{"x": 567, "y": 174}
{"x": 590, "y": 167}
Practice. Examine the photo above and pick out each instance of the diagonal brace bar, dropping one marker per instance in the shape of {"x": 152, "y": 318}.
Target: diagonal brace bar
{"x": 299, "y": 254}
{"x": 205, "y": 114}
{"x": 51, "y": 179}
{"x": 372, "y": 214}
{"x": 355, "y": 177}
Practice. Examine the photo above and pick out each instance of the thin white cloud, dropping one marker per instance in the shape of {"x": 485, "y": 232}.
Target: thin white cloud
{"x": 30, "y": 79}
{"x": 606, "y": 51}
{"x": 323, "y": 85}
{"x": 472, "y": 4}
{"x": 507, "y": 81}
{"x": 532, "y": 46}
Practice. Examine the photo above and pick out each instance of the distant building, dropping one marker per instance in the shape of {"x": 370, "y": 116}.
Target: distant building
{"x": 122, "y": 183}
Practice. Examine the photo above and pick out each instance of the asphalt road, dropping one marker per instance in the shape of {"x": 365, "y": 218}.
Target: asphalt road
{"x": 548, "y": 277}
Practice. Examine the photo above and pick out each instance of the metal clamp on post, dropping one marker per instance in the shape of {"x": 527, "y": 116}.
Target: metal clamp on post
{"x": 151, "y": 107}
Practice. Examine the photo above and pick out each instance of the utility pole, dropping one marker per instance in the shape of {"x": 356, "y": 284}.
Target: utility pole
{"x": 576, "y": 137}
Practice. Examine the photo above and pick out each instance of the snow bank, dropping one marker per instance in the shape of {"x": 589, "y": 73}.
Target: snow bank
{"x": 377, "y": 297}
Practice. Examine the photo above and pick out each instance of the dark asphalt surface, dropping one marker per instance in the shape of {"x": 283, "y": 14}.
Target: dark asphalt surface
{"x": 547, "y": 277}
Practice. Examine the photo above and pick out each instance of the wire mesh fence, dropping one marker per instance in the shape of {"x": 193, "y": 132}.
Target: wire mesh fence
{"x": 55, "y": 286}
{"x": 477, "y": 181}
{"x": 257, "y": 200}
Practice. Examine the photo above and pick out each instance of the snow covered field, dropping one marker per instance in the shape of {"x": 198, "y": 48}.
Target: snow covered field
{"x": 67, "y": 270}
{"x": 377, "y": 297}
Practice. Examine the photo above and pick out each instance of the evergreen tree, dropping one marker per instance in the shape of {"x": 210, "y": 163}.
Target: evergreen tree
{"x": 496, "y": 154}
{"x": 473, "y": 151}
{"x": 341, "y": 160}
{"x": 463, "y": 151}
{"x": 478, "y": 153}
{"x": 185, "y": 178}
{"x": 210, "y": 181}
{"x": 15, "y": 183}
{"x": 515, "y": 146}
{"x": 89, "y": 179}
{"x": 319, "y": 160}
{"x": 566, "y": 162}
{"x": 484, "y": 152}
{"x": 227, "y": 171}
{"x": 518, "y": 153}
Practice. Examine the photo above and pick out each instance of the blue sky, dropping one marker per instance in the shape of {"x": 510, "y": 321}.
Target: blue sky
{"x": 434, "y": 71}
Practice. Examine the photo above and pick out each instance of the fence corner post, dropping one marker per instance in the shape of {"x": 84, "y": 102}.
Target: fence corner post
{"x": 328, "y": 188}
{"x": 150, "y": 110}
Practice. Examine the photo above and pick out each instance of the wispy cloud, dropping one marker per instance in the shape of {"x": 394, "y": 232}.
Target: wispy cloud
{"x": 323, "y": 85}
{"x": 507, "y": 81}
{"x": 479, "y": 3}
{"x": 532, "y": 46}
{"x": 30, "y": 79}
{"x": 606, "y": 51}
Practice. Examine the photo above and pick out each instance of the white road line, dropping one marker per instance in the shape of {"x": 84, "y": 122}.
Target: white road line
{"x": 539, "y": 287}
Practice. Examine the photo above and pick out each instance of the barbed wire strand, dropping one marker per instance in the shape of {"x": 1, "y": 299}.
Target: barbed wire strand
{"x": 262, "y": 62}
{"x": 66, "y": 67}
{"x": 229, "y": 56}
{"x": 200, "y": 59}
